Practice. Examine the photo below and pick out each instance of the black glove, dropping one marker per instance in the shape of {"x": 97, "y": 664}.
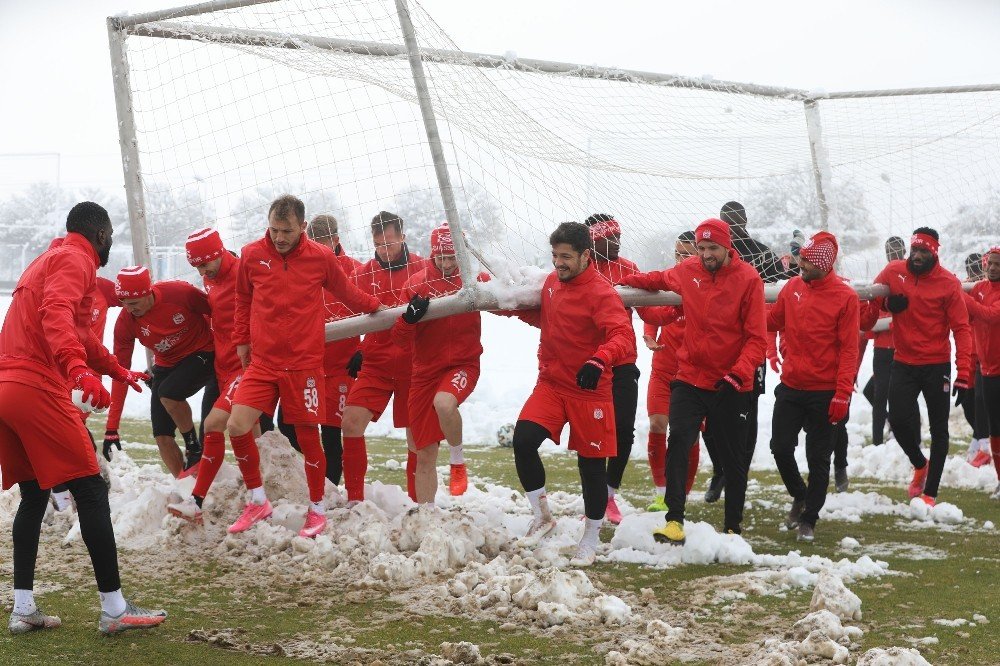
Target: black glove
{"x": 960, "y": 389}
{"x": 416, "y": 309}
{"x": 896, "y": 303}
{"x": 111, "y": 439}
{"x": 590, "y": 374}
{"x": 728, "y": 385}
{"x": 354, "y": 365}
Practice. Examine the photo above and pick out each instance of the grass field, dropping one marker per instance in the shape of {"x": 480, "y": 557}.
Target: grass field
{"x": 221, "y": 614}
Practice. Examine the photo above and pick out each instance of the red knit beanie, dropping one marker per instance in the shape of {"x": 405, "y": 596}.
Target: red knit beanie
{"x": 203, "y": 246}
{"x": 441, "y": 241}
{"x": 133, "y": 282}
{"x": 715, "y": 230}
{"x": 821, "y": 251}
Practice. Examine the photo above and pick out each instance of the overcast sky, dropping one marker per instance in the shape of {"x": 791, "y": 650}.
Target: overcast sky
{"x": 57, "y": 82}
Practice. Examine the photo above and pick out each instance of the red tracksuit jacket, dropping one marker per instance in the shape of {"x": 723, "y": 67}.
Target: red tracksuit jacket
{"x": 383, "y": 357}
{"x": 614, "y": 272}
{"x": 671, "y": 335}
{"x": 337, "y": 354}
{"x": 439, "y": 344}
{"x": 580, "y": 319}
{"x": 48, "y": 330}
{"x": 983, "y": 303}
{"x": 104, "y": 299}
{"x": 174, "y": 328}
{"x": 936, "y": 306}
{"x": 724, "y": 329}
{"x": 221, "y": 292}
{"x": 277, "y": 300}
{"x": 818, "y": 321}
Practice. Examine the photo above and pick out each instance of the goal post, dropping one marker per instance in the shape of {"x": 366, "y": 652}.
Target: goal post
{"x": 359, "y": 106}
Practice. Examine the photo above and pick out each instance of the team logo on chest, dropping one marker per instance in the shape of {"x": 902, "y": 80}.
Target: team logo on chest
{"x": 265, "y": 263}
{"x": 178, "y": 318}
{"x": 697, "y": 282}
{"x": 902, "y": 278}
{"x": 797, "y": 295}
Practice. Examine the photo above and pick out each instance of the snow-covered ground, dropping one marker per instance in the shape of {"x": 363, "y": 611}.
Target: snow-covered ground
{"x": 463, "y": 558}
{"x": 387, "y": 544}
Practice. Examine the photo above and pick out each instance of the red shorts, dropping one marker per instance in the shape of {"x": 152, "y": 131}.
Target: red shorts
{"x": 424, "y": 422}
{"x": 42, "y": 437}
{"x": 227, "y": 392}
{"x": 301, "y": 392}
{"x": 337, "y": 389}
{"x": 658, "y": 393}
{"x": 372, "y": 392}
{"x": 591, "y": 422}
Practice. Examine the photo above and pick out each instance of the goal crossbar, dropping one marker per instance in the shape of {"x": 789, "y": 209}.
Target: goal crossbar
{"x": 155, "y": 24}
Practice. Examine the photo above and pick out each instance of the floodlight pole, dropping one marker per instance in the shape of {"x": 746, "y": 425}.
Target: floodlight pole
{"x": 820, "y": 161}
{"x": 437, "y": 153}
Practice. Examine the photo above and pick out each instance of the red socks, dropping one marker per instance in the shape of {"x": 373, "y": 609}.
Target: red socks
{"x": 355, "y": 467}
{"x": 315, "y": 460}
{"x": 411, "y": 474}
{"x": 211, "y": 462}
{"x": 248, "y": 458}
{"x": 656, "y": 449}
{"x": 693, "y": 457}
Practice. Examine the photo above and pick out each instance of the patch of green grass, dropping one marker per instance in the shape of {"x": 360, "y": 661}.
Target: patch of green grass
{"x": 895, "y": 607}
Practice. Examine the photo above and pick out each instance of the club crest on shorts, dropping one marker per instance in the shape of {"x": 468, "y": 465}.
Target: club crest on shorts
{"x": 343, "y": 388}
{"x": 178, "y": 318}
{"x": 598, "y": 413}
{"x": 310, "y": 382}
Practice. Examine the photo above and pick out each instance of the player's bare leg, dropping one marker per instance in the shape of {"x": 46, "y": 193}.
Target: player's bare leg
{"x": 446, "y": 406}
{"x": 180, "y": 412}
{"x": 171, "y": 454}
{"x": 425, "y": 479}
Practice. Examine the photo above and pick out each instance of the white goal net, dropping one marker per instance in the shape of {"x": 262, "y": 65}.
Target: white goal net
{"x": 316, "y": 98}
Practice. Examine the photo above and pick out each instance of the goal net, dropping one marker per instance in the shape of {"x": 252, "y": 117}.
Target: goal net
{"x": 235, "y": 106}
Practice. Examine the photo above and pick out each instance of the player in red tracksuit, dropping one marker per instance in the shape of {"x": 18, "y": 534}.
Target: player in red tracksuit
{"x": 104, "y": 298}
{"x": 280, "y": 337}
{"x": 46, "y": 340}
{"x": 605, "y": 231}
{"x": 446, "y": 355}
{"x": 169, "y": 319}
{"x": 381, "y": 366}
{"x": 983, "y": 304}
{"x": 973, "y": 406}
{"x": 817, "y": 315}
{"x": 218, "y": 268}
{"x": 337, "y": 356}
{"x": 927, "y": 304}
{"x": 724, "y": 343}
{"x": 585, "y": 332}
{"x": 664, "y": 339}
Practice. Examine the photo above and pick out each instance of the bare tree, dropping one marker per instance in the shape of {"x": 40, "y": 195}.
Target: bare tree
{"x": 422, "y": 210}
{"x": 972, "y": 228}
{"x": 249, "y": 215}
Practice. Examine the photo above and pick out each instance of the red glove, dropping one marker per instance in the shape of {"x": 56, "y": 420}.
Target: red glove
{"x": 94, "y": 393}
{"x": 838, "y": 407}
{"x": 130, "y": 377}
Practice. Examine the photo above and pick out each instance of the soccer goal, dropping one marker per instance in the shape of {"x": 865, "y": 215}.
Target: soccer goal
{"x": 358, "y": 106}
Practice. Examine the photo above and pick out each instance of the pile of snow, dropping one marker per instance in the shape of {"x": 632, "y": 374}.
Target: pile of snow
{"x": 660, "y": 645}
{"x": 831, "y": 594}
{"x": 895, "y": 656}
{"x": 943, "y": 513}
